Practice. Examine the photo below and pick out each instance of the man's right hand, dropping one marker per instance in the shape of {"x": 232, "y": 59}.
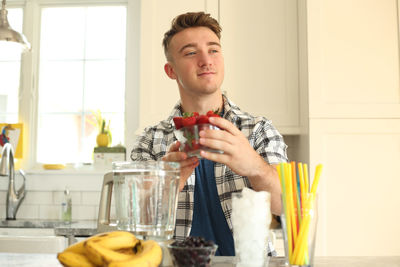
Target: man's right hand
{"x": 187, "y": 164}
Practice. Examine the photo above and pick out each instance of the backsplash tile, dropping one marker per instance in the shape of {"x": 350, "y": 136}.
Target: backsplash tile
{"x": 27, "y": 212}
{"x": 33, "y": 198}
{"x": 90, "y": 198}
{"x": 83, "y": 212}
{"x": 75, "y": 197}
{"x": 52, "y": 212}
{"x": 45, "y": 191}
{"x": 46, "y": 205}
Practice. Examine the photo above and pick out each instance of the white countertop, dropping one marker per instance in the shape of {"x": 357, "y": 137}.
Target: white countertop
{"x": 50, "y": 260}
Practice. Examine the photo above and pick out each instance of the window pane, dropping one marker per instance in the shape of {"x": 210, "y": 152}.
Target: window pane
{"x": 82, "y": 69}
{"x": 106, "y": 32}
{"x": 67, "y": 140}
{"x": 61, "y": 86}
{"x": 63, "y": 33}
{"x": 105, "y": 85}
{"x": 117, "y": 128}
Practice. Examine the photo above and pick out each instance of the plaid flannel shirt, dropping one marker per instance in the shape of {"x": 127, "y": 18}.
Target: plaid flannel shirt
{"x": 155, "y": 141}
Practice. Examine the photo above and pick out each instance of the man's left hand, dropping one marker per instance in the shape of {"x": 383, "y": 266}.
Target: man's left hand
{"x": 241, "y": 158}
{"x": 238, "y": 154}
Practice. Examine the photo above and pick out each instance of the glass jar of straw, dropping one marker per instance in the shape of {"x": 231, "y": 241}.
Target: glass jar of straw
{"x": 299, "y": 212}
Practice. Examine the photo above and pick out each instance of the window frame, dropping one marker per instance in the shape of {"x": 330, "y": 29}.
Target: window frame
{"x": 28, "y": 89}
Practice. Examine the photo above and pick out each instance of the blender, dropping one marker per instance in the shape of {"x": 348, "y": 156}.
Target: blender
{"x": 141, "y": 197}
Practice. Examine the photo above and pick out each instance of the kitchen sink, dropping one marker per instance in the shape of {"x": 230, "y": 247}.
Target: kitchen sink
{"x": 31, "y": 236}
{"x": 32, "y": 223}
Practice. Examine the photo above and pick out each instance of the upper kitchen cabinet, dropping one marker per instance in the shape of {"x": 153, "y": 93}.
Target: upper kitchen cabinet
{"x": 260, "y": 45}
{"x": 353, "y": 56}
{"x": 158, "y": 93}
{"x": 259, "y": 40}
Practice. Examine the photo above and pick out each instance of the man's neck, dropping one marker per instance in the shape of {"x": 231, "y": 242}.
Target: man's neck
{"x": 203, "y": 103}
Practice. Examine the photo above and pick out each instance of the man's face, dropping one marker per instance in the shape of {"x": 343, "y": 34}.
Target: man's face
{"x": 196, "y": 61}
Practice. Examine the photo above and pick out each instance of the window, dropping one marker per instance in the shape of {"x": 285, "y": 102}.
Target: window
{"x": 77, "y": 66}
{"x": 82, "y": 70}
{"x": 10, "y": 64}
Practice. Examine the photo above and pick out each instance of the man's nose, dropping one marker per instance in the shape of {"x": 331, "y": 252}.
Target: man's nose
{"x": 204, "y": 59}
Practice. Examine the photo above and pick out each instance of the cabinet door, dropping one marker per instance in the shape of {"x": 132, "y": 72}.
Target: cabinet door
{"x": 158, "y": 93}
{"x": 353, "y": 54}
{"x": 358, "y": 191}
{"x": 259, "y": 40}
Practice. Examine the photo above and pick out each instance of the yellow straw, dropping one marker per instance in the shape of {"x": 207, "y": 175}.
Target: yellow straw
{"x": 305, "y": 169}
{"x": 297, "y": 240}
{"x": 301, "y": 243}
{"x": 296, "y": 199}
{"x": 278, "y": 170}
{"x": 316, "y": 178}
{"x": 289, "y": 193}
{"x": 303, "y": 199}
{"x": 301, "y": 246}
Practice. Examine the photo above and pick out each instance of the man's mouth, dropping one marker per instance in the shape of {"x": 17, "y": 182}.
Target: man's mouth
{"x": 206, "y": 73}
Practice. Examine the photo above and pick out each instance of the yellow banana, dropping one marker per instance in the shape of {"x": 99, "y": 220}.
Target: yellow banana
{"x": 112, "y": 240}
{"x": 103, "y": 248}
{"x": 149, "y": 256}
{"x": 116, "y": 240}
{"x": 72, "y": 259}
{"x": 101, "y": 255}
{"x": 76, "y": 248}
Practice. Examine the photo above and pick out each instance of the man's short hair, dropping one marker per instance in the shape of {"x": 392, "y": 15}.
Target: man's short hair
{"x": 189, "y": 20}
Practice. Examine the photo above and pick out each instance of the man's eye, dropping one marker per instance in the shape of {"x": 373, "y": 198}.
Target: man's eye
{"x": 190, "y": 53}
{"x": 213, "y": 51}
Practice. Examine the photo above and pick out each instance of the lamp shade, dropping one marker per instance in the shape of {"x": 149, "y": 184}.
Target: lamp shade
{"x": 7, "y": 34}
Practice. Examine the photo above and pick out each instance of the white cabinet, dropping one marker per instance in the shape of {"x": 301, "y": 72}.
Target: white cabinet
{"x": 354, "y": 123}
{"x": 31, "y": 240}
{"x": 354, "y": 59}
{"x": 158, "y": 93}
{"x": 260, "y": 45}
{"x": 358, "y": 190}
{"x": 259, "y": 40}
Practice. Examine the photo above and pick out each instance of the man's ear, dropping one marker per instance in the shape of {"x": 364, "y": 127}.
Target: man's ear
{"x": 169, "y": 70}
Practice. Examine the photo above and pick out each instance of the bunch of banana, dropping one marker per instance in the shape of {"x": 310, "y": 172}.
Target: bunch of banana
{"x": 113, "y": 249}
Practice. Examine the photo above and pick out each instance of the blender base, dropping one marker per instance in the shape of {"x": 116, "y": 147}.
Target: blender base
{"x": 166, "y": 258}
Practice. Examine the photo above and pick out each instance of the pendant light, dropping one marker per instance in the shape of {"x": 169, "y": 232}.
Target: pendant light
{"x": 8, "y": 36}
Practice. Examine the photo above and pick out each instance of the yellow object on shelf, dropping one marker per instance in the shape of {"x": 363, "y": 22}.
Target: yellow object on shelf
{"x": 102, "y": 140}
{"x": 53, "y": 166}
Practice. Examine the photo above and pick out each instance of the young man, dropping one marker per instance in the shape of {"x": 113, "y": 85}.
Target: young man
{"x": 251, "y": 145}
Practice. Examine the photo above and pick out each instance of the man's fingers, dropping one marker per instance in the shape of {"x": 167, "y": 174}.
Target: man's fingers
{"x": 174, "y": 147}
{"x": 188, "y": 162}
{"x": 175, "y": 156}
{"x": 225, "y": 125}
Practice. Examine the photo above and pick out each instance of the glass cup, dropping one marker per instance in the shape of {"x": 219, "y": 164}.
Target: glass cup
{"x": 251, "y": 218}
{"x": 189, "y": 138}
{"x": 300, "y": 244}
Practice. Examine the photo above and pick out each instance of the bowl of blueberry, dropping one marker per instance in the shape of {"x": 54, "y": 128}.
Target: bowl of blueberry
{"x": 192, "y": 252}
